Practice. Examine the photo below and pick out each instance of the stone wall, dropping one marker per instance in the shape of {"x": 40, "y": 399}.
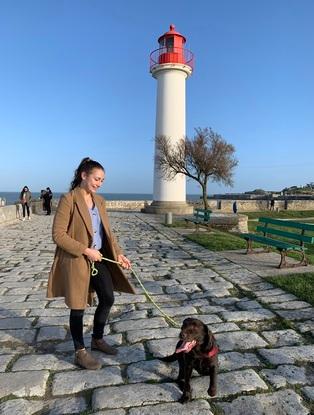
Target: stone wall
{"x": 230, "y": 222}
{"x": 258, "y": 205}
{"x": 8, "y": 213}
{"x": 13, "y": 212}
{"x": 127, "y": 204}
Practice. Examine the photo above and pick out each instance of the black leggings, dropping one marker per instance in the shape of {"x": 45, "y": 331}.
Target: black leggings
{"x": 25, "y": 205}
{"x": 102, "y": 284}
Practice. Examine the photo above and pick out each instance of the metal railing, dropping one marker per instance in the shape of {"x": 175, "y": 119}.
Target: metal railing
{"x": 171, "y": 55}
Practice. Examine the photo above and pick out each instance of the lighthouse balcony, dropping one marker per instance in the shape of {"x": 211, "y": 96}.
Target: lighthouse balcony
{"x": 169, "y": 55}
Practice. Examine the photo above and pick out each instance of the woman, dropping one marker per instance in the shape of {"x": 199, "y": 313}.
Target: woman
{"x": 25, "y": 199}
{"x": 82, "y": 233}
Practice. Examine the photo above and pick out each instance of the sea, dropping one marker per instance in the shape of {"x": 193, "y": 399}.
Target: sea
{"x": 12, "y": 197}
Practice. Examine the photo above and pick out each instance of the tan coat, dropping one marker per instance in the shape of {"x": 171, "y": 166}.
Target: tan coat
{"x": 72, "y": 232}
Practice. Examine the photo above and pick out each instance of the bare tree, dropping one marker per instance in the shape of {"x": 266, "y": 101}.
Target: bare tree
{"x": 206, "y": 156}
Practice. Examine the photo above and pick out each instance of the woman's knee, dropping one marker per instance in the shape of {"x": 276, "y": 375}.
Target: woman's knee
{"x": 106, "y": 300}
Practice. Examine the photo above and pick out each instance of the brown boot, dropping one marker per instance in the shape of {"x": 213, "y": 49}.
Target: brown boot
{"x": 87, "y": 361}
{"x": 100, "y": 344}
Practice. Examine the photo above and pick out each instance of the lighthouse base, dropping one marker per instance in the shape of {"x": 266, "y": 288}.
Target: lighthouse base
{"x": 178, "y": 208}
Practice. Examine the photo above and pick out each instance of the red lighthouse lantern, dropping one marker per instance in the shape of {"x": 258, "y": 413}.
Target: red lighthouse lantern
{"x": 171, "y": 50}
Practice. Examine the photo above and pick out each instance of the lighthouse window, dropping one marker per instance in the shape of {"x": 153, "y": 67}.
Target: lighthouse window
{"x": 169, "y": 44}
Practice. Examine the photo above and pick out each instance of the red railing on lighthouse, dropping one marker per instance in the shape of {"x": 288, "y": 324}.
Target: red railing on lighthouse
{"x": 171, "y": 55}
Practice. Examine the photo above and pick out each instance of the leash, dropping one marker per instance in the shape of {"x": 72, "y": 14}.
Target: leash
{"x": 94, "y": 272}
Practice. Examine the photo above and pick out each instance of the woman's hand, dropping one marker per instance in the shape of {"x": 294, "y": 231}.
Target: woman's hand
{"x": 93, "y": 254}
{"x": 125, "y": 263}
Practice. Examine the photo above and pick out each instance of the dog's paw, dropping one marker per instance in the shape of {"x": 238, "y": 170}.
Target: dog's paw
{"x": 186, "y": 397}
{"x": 212, "y": 392}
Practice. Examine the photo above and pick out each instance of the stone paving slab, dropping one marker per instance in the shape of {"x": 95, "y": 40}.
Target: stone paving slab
{"x": 4, "y": 361}
{"x": 134, "y": 336}
{"x": 239, "y": 340}
{"x": 198, "y": 407}
{"x": 229, "y": 383}
{"x": 24, "y": 384}
{"x": 65, "y": 406}
{"x": 234, "y": 361}
{"x": 150, "y": 323}
{"x": 18, "y": 336}
{"x": 289, "y": 375}
{"x": 258, "y": 354}
{"x": 289, "y": 354}
{"x": 126, "y": 396}
{"x": 152, "y": 370}
{"x": 304, "y": 314}
{"x": 308, "y": 392}
{"x": 42, "y": 362}
{"x": 51, "y": 333}
{"x": 80, "y": 380}
{"x": 279, "y": 338}
{"x": 256, "y": 315}
{"x": 285, "y": 402}
{"x": 21, "y": 406}
{"x": 111, "y": 412}
{"x": 126, "y": 355}
{"x": 291, "y": 305}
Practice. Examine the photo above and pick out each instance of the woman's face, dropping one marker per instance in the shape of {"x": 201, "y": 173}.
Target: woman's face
{"x": 25, "y": 189}
{"x": 91, "y": 182}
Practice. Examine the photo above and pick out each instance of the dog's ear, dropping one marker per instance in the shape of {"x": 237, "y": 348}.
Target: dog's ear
{"x": 208, "y": 339}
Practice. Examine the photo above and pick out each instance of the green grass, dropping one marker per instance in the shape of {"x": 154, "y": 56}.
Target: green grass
{"x": 218, "y": 240}
{"x": 301, "y": 285}
{"x": 281, "y": 214}
{"x": 180, "y": 223}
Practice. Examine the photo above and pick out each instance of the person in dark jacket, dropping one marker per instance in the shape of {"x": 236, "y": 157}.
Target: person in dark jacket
{"x": 47, "y": 196}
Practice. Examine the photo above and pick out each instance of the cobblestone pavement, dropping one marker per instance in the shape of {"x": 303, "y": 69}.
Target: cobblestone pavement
{"x": 265, "y": 335}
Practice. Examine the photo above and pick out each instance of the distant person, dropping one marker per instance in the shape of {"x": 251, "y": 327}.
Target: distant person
{"x": 42, "y": 197}
{"x": 272, "y": 204}
{"x": 47, "y": 200}
{"x": 82, "y": 233}
{"x": 235, "y": 207}
{"x": 25, "y": 199}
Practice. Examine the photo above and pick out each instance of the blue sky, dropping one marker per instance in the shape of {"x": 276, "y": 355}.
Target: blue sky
{"x": 75, "y": 82}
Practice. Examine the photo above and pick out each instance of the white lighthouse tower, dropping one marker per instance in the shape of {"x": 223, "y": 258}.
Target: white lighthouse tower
{"x": 170, "y": 65}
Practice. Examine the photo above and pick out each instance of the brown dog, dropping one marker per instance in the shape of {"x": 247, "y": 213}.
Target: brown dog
{"x": 197, "y": 350}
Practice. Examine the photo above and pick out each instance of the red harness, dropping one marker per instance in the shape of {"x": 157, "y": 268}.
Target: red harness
{"x": 213, "y": 351}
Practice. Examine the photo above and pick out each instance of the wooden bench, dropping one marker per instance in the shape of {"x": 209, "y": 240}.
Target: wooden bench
{"x": 269, "y": 229}
{"x": 201, "y": 217}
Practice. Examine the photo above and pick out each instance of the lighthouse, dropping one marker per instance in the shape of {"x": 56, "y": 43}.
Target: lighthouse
{"x": 171, "y": 64}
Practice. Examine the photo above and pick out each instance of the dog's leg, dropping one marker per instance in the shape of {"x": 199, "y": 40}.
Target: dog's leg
{"x": 172, "y": 358}
{"x": 180, "y": 379}
{"x": 212, "y": 390}
{"x": 187, "y": 391}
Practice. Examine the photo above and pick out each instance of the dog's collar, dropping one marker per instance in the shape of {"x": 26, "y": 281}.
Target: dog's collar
{"x": 213, "y": 351}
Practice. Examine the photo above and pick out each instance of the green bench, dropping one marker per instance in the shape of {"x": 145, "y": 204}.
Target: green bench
{"x": 294, "y": 238}
{"x": 201, "y": 217}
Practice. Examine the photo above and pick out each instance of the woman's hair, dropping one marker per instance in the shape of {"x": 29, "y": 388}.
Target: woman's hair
{"x": 86, "y": 166}
{"x": 23, "y": 190}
